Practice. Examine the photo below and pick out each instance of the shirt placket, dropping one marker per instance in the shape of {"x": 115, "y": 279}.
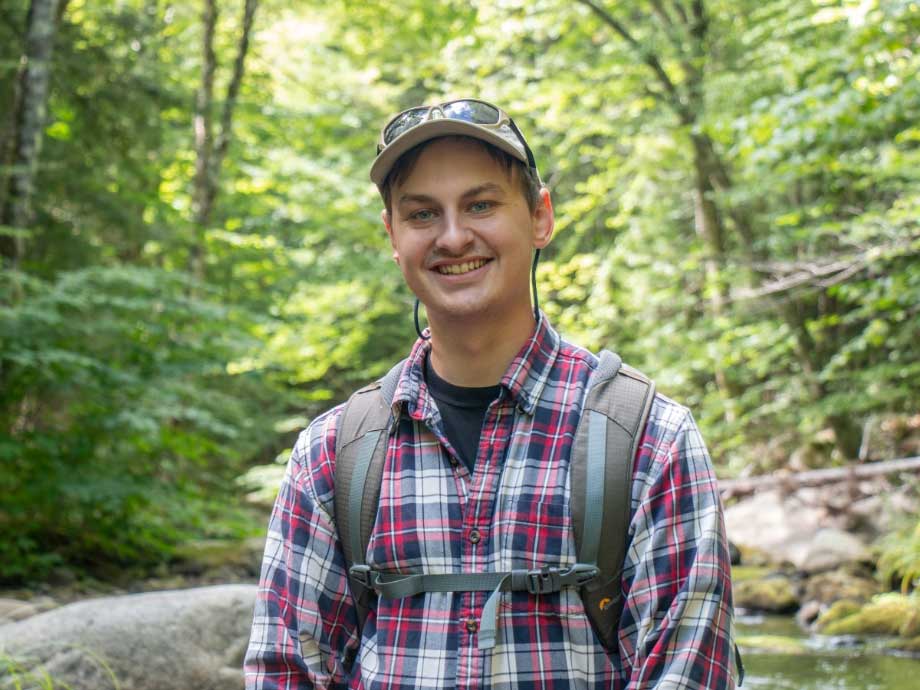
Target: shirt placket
{"x": 477, "y": 536}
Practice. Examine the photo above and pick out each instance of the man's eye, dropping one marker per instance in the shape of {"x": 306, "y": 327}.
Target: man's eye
{"x": 480, "y": 206}
{"x": 422, "y": 215}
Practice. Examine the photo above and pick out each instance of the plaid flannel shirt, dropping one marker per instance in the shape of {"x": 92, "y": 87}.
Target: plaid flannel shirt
{"x": 512, "y": 512}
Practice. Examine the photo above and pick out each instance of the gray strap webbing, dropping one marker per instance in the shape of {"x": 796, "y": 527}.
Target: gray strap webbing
{"x": 622, "y": 397}
{"x": 364, "y": 453}
{"x": 594, "y": 491}
{"x": 359, "y": 459}
{"x": 539, "y": 581}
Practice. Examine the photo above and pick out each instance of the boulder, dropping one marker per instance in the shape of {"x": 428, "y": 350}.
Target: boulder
{"x": 171, "y": 640}
{"x": 774, "y": 593}
{"x": 778, "y": 525}
{"x": 829, "y": 549}
{"x": 796, "y": 529}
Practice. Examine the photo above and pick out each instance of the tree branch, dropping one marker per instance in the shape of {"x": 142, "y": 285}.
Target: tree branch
{"x": 740, "y": 487}
{"x": 821, "y": 275}
{"x": 649, "y": 58}
{"x": 233, "y": 88}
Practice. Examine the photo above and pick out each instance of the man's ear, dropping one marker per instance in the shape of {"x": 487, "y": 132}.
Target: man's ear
{"x": 544, "y": 220}
{"x": 385, "y": 217}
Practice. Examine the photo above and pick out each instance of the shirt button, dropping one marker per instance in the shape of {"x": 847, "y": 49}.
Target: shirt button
{"x": 475, "y": 536}
{"x": 472, "y": 625}
{"x": 453, "y": 461}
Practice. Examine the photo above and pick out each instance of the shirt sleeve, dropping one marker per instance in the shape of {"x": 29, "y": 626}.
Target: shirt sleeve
{"x": 677, "y": 625}
{"x": 304, "y": 621}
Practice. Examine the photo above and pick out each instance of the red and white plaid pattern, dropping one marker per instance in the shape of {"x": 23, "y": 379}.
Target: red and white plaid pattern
{"x": 512, "y": 512}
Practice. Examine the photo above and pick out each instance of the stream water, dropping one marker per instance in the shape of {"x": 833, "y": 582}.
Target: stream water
{"x": 779, "y": 656}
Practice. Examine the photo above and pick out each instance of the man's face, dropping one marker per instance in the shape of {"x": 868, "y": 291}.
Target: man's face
{"x": 463, "y": 235}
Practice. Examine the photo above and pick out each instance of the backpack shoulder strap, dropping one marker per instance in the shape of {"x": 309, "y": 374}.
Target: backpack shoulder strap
{"x": 360, "y": 452}
{"x": 609, "y": 432}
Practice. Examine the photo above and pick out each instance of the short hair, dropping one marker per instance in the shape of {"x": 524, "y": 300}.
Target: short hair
{"x": 528, "y": 178}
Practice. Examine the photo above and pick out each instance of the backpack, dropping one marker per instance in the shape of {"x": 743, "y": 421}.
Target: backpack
{"x": 607, "y": 437}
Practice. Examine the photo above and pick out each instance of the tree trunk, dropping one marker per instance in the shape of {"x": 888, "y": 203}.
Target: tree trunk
{"x": 204, "y": 184}
{"x": 30, "y": 106}
{"x": 709, "y": 228}
{"x": 210, "y": 151}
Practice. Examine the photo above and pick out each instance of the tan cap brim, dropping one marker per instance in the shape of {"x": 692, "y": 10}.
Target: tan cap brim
{"x": 442, "y": 127}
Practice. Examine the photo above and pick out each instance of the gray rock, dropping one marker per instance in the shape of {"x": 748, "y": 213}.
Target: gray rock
{"x": 829, "y": 549}
{"x": 191, "y": 639}
{"x": 797, "y": 529}
{"x": 778, "y": 525}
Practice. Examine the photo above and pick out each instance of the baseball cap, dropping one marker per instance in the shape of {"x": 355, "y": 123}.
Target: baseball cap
{"x": 464, "y": 117}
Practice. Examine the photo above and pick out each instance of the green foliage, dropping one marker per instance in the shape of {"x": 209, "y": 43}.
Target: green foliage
{"x": 17, "y": 676}
{"x": 900, "y": 558}
{"x": 132, "y": 396}
{"x": 122, "y": 428}
{"x": 24, "y": 674}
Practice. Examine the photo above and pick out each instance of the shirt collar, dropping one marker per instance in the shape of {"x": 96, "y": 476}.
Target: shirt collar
{"x": 524, "y": 379}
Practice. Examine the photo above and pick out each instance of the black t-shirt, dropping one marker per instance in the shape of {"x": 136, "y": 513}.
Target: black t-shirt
{"x": 463, "y": 410}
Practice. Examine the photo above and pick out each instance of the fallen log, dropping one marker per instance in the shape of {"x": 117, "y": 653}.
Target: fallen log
{"x": 790, "y": 480}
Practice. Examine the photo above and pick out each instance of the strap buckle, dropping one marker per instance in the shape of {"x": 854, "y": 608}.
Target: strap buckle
{"x": 362, "y": 575}
{"x": 547, "y": 580}
{"x": 544, "y": 580}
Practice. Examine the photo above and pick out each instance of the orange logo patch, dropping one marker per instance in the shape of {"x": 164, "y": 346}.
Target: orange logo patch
{"x": 605, "y": 603}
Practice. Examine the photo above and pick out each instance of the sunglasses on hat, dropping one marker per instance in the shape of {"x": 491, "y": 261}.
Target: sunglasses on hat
{"x": 471, "y": 110}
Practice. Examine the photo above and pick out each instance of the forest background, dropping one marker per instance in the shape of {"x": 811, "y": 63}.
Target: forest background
{"x": 194, "y": 265}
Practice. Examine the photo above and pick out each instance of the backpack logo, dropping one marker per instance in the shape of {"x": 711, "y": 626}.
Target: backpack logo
{"x": 605, "y": 603}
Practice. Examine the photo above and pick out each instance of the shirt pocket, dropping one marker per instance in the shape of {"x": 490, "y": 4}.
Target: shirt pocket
{"x": 537, "y": 533}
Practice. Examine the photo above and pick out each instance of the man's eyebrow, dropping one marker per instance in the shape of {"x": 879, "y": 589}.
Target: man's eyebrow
{"x": 487, "y": 188}
{"x": 415, "y": 198}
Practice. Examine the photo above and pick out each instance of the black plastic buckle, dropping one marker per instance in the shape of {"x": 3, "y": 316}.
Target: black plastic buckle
{"x": 361, "y": 574}
{"x": 544, "y": 580}
{"x": 580, "y": 575}
{"x": 547, "y": 580}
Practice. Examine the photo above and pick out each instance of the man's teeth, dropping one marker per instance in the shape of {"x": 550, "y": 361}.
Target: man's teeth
{"x": 456, "y": 269}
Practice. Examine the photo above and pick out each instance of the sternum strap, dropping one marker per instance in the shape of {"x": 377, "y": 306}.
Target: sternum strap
{"x": 538, "y": 581}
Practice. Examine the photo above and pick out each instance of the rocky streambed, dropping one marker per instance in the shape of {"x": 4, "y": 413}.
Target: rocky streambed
{"x": 812, "y": 554}
{"x": 812, "y": 613}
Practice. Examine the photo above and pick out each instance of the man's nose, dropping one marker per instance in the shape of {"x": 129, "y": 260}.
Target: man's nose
{"x": 456, "y": 236}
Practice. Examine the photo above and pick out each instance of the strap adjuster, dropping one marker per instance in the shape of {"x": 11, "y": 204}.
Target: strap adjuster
{"x": 362, "y": 575}
{"x": 547, "y": 579}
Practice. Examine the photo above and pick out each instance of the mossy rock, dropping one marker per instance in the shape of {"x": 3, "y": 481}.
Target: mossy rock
{"x": 775, "y": 644}
{"x": 774, "y": 593}
{"x": 909, "y": 645}
{"x": 836, "y": 585}
{"x": 752, "y": 556}
{"x": 212, "y": 554}
{"x": 886, "y": 614}
{"x": 838, "y": 611}
{"x": 744, "y": 573}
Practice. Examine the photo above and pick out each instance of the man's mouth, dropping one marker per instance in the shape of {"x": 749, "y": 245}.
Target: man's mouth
{"x": 458, "y": 269}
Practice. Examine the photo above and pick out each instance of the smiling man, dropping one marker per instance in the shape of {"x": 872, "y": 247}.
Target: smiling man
{"x": 429, "y": 532}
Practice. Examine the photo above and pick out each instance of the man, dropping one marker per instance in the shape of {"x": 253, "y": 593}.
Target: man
{"x": 476, "y": 472}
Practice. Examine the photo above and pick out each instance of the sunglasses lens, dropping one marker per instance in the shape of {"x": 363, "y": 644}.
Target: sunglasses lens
{"x": 477, "y": 112}
{"x": 403, "y": 122}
